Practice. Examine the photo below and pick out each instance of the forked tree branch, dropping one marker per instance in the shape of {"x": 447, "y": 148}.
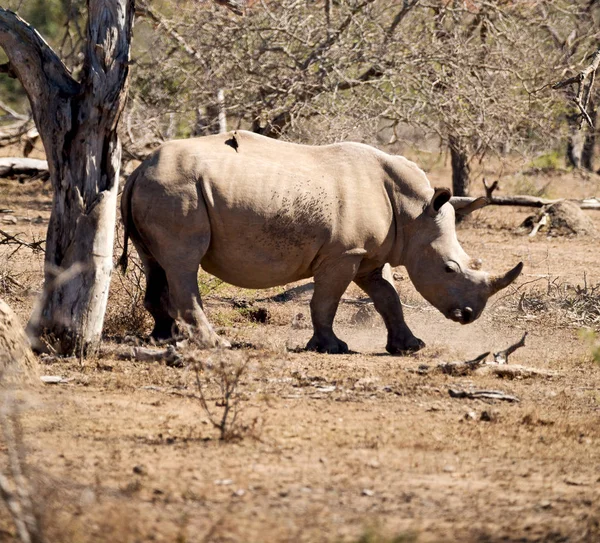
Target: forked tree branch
{"x": 236, "y": 6}
{"x": 34, "y": 63}
{"x": 585, "y": 82}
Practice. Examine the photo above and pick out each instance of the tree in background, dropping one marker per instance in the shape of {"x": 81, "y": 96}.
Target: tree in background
{"x": 472, "y": 73}
{"x": 77, "y": 120}
{"x": 574, "y": 41}
{"x": 76, "y": 112}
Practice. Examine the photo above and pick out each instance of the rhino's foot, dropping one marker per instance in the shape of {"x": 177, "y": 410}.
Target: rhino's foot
{"x": 212, "y": 341}
{"x": 410, "y": 345}
{"x": 162, "y": 330}
{"x": 330, "y": 345}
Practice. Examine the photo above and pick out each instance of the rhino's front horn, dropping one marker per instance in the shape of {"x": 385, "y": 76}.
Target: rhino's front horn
{"x": 498, "y": 282}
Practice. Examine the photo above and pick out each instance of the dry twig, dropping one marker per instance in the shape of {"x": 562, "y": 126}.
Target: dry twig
{"x": 9, "y": 239}
{"x": 463, "y": 368}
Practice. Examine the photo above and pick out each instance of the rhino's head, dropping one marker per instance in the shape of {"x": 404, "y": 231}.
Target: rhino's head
{"x": 441, "y": 270}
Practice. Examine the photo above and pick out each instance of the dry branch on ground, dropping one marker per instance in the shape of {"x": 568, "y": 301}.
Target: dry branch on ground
{"x": 498, "y": 367}
{"x": 13, "y": 166}
{"x": 482, "y": 395}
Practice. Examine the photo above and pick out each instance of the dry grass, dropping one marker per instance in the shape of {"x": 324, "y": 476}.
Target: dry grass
{"x": 569, "y": 305}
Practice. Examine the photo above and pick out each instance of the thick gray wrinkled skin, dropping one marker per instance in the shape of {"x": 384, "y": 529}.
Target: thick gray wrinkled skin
{"x": 258, "y": 212}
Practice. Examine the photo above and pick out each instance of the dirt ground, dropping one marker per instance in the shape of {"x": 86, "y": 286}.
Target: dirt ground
{"x": 360, "y": 447}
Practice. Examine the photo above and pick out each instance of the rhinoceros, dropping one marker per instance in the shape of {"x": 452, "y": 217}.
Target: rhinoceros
{"x": 258, "y": 212}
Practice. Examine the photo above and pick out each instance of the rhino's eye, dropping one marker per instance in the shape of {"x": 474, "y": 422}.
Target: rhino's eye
{"x": 452, "y": 267}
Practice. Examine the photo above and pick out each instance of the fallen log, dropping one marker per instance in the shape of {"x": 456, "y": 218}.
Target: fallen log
{"x": 482, "y": 395}
{"x": 531, "y": 201}
{"x": 13, "y": 166}
{"x": 148, "y": 354}
{"x": 514, "y": 371}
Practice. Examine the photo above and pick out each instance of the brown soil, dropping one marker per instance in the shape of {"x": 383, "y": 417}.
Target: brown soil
{"x": 357, "y": 447}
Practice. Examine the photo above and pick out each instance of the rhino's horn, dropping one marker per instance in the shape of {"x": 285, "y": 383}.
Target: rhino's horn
{"x": 498, "y": 282}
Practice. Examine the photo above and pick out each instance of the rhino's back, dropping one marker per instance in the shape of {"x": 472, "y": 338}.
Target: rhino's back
{"x": 276, "y": 208}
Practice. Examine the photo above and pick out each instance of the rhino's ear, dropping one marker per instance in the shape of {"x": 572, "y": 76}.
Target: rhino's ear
{"x": 440, "y": 197}
{"x": 464, "y": 206}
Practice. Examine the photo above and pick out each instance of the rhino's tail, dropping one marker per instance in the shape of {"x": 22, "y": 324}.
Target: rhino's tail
{"x": 129, "y": 228}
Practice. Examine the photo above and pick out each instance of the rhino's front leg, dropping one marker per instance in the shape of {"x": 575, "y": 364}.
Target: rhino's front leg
{"x": 387, "y": 303}
{"x": 331, "y": 281}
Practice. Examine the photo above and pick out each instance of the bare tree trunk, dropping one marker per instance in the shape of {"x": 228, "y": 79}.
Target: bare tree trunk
{"x": 582, "y": 140}
{"x": 214, "y": 119}
{"x": 222, "y": 112}
{"x": 77, "y": 122}
{"x": 461, "y": 171}
{"x": 589, "y": 144}
{"x": 575, "y": 142}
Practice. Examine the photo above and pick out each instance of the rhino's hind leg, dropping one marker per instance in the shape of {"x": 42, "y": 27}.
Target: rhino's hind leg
{"x": 156, "y": 301}
{"x": 387, "y": 303}
{"x": 186, "y": 304}
{"x": 331, "y": 281}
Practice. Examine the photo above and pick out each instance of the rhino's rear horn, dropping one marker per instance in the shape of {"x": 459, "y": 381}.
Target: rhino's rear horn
{"x": 498, "y": 282}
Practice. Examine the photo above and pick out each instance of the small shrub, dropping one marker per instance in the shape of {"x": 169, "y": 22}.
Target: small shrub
{"x": 125, "y": 312}
{"x": 222, "y": 373}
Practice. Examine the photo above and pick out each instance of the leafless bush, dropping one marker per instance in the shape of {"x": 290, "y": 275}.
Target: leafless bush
{"x": 573, "y": 305}
{"x": 221, "y": 374}
{"x": 125, "y": 309}
{"x": 9, "y": 279}
{"x": 11, "y": 282}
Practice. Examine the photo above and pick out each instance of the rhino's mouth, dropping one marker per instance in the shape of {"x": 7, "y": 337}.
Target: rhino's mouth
{"x": 464, "y": 316}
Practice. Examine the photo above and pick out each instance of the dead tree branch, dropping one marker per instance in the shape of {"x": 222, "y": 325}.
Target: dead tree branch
{"x": 523, "y": 200}
{"x": 501, "y": 357}
{"x": 144, "y": 10}
{"x": 236, "y": 6}
{"x": 463, "y": 368}
{"x": 9, "y": 239}
{"x": 12, "y": 113}
{"x": 12, "y": 166}
{"x": 585, "y": 83}
{"x": 13, "y": 133}
{"x": 482, "y": 395}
